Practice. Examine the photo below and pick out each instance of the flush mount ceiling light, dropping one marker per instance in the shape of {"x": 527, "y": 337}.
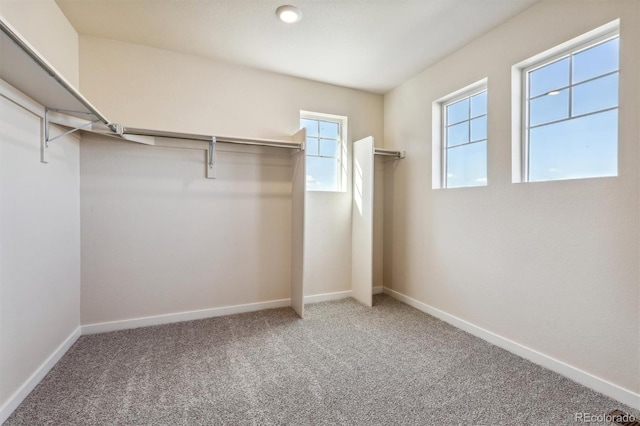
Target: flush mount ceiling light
{"x": 289, "y": 14}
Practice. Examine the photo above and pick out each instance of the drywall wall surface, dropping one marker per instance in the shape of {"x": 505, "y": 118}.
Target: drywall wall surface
{"x": 157, "y": 237}
{"x": 39, "y": 246}
{"x": 550, "y": 265}
{"x": 39, "y": 214}
{"x": 46, "y": 28}
{"x": 152, "y": 88}
{"x": 327, "y": 235}
{"x": 249, "y": 203}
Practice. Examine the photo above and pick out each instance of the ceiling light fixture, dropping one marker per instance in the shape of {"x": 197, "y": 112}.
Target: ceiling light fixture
{"x": 289, "y": 14}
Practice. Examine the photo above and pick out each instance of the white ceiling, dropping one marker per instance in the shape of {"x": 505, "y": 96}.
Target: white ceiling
{"x": 372, "y": 45}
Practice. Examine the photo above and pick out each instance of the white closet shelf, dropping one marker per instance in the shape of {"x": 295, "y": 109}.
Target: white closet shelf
{"x": 24, "y": 68}
{"x": 28, "y": 71}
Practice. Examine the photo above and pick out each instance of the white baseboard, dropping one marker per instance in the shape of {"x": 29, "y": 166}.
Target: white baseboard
{"x": 16, "y": 399}
{"x": 609, "y": 389}
{"x": 325, "y": 297}
{"x": 210, "y": 313}
{"x": 182, "y": 316}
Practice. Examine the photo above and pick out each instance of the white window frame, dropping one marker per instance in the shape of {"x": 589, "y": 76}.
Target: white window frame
{"x": 439, "y": 134}
{"x": 342, "y": 158}
{"x": 520, "y": 94}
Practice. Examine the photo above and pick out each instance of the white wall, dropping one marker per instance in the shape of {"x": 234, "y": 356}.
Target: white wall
{"x": 44, "y": 25}
{"x": 39, "y": 218}
{"x": 326, "y": 261}
{"x": 157, "y": 237}
{"x": 552, "y": 265}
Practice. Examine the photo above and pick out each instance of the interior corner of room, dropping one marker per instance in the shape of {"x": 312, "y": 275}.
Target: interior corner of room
{"x": 143, "y": 185}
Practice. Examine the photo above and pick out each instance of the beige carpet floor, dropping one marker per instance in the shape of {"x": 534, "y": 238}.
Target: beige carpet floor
{"x": 345, "y": 364}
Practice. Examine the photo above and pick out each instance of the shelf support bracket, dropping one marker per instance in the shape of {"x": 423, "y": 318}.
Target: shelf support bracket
{"x": 211, "y": 161}
{"x": 73, "y": 122}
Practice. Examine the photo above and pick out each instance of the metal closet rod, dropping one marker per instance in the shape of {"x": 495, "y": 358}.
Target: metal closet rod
{"x": 17, "y": 39}
{"x": 388, "y": 153}
{"x": 208, "y": 138}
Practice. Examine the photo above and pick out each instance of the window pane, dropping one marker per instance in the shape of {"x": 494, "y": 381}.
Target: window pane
{"x": 577, "y": 148}
{"x": 312, "y": 146}
{"x": 479, "y": 104}
{"x": 596, "y": 61}
{"x": 322, "y": 174}
{"x": 479, "y": 128}
{"x": 310, "y": 125}
{"x": 467, "y": 165}
{"x": 328, "y": 130}
{"x": 549, "y": 77}
{"x": 458, "y": 111}
{"x": 458, "y": 134}
{"x": 595, "y": 95}
{"x": 549, "y": 108}
{"x": 328, "y": 148}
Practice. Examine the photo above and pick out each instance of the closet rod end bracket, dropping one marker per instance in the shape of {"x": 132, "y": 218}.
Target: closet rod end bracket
{"x": 116, "y": 128}
{"x": 211, "y": 161}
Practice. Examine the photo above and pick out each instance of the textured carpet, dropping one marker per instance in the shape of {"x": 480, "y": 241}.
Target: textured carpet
{"x": 344, "y": 364}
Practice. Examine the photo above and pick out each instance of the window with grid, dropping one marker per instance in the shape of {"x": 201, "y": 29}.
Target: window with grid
{"x": 324, "y": 153}
{"x": 571, "y": 113}
{"x": 464, "y": 137}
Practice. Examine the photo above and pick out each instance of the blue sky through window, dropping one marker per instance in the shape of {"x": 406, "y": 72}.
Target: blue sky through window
{"x": 466, "y": 141}
{"x": 573, "y": 116}
{"x": 323, "y": 154}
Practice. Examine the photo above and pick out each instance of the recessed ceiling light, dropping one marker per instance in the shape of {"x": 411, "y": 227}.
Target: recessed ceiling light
{"x": 289, "y": 14}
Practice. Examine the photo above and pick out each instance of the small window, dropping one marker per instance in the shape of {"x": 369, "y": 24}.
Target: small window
{"x": 571, "y": 112}
{"x": 464, "y": 138}
{"x": 325, "y": 151}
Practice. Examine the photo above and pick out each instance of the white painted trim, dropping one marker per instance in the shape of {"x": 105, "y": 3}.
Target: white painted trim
{"x": 325, "y": 297}
{"x": 378, "y": 289}
{"x": 16, "y": 399}
{"x": 182, "y": 316}
{"x": 609, "y": 389}
{"x": 210, "y": 313}
{"x": 597, "y": 34}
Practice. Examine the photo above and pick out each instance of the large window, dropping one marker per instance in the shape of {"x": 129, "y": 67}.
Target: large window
{"x": 464, "y": 139}
{"x": 324, "y": 150}
{"x": 571, "y": 113}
